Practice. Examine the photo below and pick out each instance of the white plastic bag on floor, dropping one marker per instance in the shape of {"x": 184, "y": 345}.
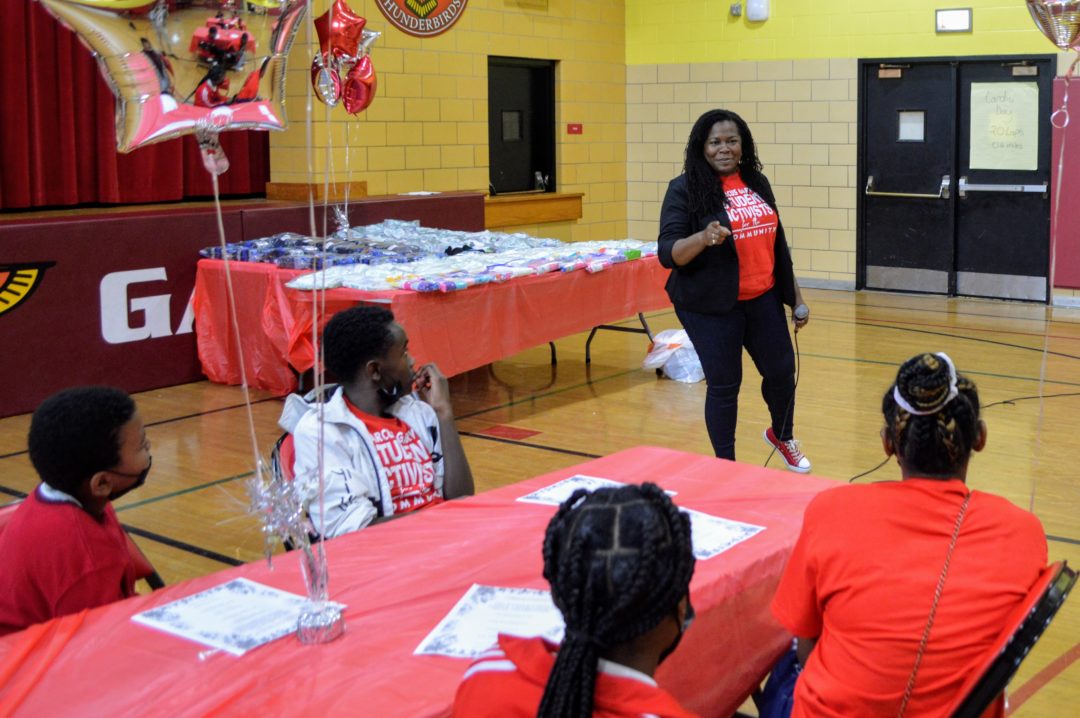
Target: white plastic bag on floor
{"x": 673, "y": 353}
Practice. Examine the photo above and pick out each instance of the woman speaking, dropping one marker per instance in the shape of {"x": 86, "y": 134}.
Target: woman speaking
{"x": 721, "y": 236}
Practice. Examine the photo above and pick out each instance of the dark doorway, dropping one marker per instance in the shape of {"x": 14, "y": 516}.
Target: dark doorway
{"x": 521, "y": 125}
{"x": 954, "y": 169}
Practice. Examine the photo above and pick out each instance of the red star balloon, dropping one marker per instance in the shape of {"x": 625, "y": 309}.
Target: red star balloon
{"x": 340, "y": 30}
{"x": 196, "y": 67}
{"x": 345, "y": 46}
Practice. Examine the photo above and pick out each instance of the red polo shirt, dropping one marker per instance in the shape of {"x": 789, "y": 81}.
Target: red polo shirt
{"x": 58, "y": 559}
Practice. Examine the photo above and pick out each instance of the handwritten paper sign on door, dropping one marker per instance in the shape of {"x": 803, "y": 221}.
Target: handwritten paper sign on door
{"x": 1004, "y": 126}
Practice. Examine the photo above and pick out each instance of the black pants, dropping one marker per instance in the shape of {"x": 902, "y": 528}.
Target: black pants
{"x": 759, "y": 325}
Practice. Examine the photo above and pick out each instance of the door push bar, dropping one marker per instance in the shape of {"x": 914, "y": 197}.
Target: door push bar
{"x": 965, "y": 187}
{"x": 943, "y": 190}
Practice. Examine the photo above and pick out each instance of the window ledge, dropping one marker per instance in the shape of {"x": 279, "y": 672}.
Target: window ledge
{"x": 511, "y": 210}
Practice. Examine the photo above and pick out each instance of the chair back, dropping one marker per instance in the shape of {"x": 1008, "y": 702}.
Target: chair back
{"x": 1024, "y": 626}
{"x": 143, "y": 568}
{"x": 283, "y": 457}
{"x": 282, "y": 463}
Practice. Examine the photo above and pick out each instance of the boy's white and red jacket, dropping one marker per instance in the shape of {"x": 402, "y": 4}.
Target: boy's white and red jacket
{"x": 356, "y": 488}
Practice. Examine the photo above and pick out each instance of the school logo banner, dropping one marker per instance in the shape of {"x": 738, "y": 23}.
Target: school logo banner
{"x": 18, "y": 282}
{"x": 422, "y": 18}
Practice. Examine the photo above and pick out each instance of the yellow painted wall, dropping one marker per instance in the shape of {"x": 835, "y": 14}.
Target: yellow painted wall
{"x": 793, "y": 78}
{"x": 427, "y": 128}
{"x": 677, "y": 31}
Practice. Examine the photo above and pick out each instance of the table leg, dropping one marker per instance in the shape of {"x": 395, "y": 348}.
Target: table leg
{"x": 616, "y": 328}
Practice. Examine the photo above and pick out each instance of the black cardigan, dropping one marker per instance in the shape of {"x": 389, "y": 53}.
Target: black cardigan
{"x": 709, "y": 283}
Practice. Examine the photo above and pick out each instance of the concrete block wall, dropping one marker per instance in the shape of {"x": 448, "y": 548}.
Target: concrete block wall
{"x": 428, "y": 126}
{"x": 802, "y": 114}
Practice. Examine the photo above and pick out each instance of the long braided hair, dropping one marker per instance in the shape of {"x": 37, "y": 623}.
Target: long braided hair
{"x": 705, "y": 192}
{"x": 619, "y": 561}
{"x": 936, "y": 431}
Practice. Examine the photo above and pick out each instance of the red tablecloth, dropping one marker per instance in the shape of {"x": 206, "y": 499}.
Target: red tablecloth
{"x": 457, "y": 330}
{"x": 398, "y": 580}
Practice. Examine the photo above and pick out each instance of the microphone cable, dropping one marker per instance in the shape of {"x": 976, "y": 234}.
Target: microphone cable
{"x": 1003, "y": 402}
{"x": 798, "y": 370}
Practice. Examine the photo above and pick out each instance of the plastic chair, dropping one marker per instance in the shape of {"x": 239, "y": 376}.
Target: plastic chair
{"x": 283, "y": 457}
{"x": 282, "y": 460}
{"x": 1024, "y": 626}
{"x": 143, "y": 568}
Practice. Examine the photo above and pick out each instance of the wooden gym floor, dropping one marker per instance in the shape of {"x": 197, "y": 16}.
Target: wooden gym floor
{"x": 522, "y": 416}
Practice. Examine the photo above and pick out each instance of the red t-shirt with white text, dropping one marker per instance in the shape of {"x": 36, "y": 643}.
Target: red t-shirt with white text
{"x": 409, "y": 468}
{"x": 753, "y": 224}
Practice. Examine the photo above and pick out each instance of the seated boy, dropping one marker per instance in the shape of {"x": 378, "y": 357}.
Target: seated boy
{"x": 386, "y": 451}
{"x": 63, "y": 549}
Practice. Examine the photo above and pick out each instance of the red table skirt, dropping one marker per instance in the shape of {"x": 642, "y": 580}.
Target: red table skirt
{"x": 398, "y": 580}
{"x": 457, "y": 330}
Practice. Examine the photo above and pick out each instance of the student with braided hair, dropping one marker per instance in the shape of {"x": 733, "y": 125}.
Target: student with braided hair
{"x": 896, "y": 590}
{"x": 619, "y": 562}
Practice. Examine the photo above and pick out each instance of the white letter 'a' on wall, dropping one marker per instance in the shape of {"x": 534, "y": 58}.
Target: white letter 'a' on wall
{"x": 116, "y": 308}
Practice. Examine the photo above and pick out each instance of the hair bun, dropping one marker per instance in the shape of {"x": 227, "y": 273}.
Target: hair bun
{"x": 926, "y": 383}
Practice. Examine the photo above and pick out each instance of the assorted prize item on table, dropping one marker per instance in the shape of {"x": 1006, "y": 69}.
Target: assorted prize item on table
{"x": 397, "y": 254}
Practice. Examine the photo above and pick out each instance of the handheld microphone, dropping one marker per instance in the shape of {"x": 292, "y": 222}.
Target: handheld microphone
{"x": 801, "y": 312}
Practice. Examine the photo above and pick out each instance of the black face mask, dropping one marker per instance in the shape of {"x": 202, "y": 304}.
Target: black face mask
{"x": 140, "y": 479}
{"x": 683, "y": 628}
{"x": 393, "y": 394}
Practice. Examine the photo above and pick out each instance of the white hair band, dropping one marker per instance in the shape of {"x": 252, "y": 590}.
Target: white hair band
{"x": 953, "y": 391}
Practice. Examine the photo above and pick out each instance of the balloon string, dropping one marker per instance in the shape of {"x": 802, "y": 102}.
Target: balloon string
{"x": 329, "y": 177}
{"x": 315, "y": 314}
{"x": 348, "y": 169}
{"x": 236, "y": 329}
{"x": 1063, "y": 111}
{"x": 328, "y": 170}
{"x": 317, "y": 311}
{"x": 1056, "y": 198}
{"x": 1054, "y": 230}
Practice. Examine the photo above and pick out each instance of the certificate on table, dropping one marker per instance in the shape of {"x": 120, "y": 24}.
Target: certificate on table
{"x": 560, "y": 491}
{"x": 474, "y": 623}
{"x": 234, "y": 617}
{"x": 712, "y": 535}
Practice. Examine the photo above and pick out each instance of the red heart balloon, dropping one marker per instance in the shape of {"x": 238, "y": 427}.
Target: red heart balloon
{"x": 360, "y": 85}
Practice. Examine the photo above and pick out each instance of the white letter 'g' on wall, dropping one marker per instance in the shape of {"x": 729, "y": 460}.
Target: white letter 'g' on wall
{"x": 116, "y": 308}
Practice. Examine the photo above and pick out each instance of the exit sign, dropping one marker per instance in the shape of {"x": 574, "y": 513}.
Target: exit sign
{"x": 574, "y": 128}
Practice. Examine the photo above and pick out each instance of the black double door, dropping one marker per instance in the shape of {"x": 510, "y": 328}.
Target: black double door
{"x": 954, "y": 170}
